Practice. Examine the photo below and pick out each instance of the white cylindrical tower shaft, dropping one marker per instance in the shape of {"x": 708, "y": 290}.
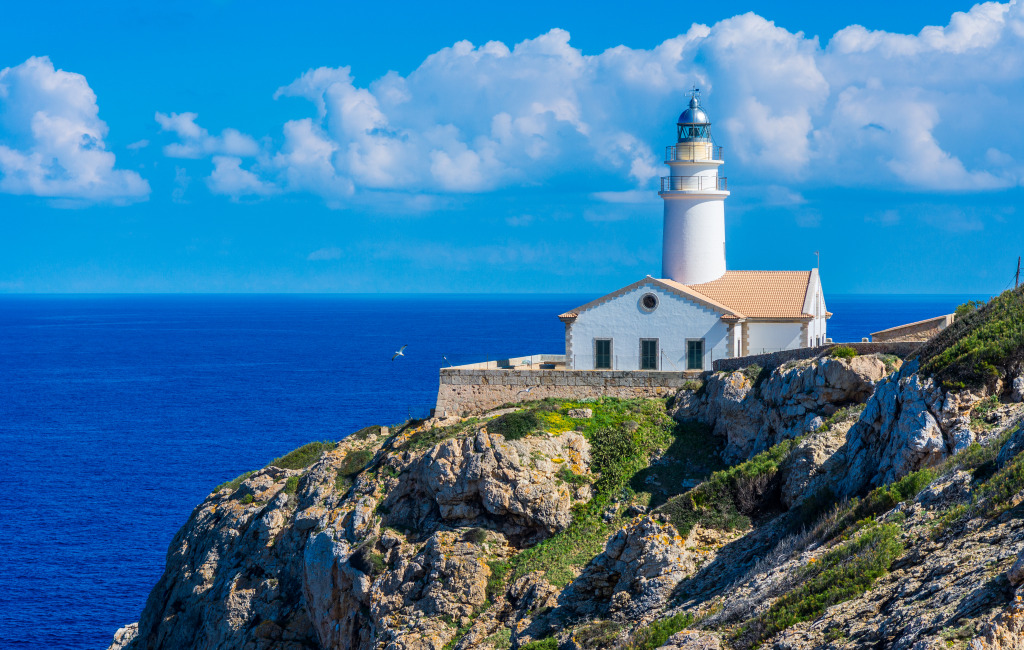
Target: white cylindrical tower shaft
{"x": 693, "y": 249}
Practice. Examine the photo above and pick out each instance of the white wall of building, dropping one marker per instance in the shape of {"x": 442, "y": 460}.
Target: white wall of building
{"x": 817, "y": 329}
{"x": 772, "y": 337}
{"x": 623, "y": 320}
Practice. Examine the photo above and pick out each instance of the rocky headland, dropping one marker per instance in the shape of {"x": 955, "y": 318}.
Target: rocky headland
{"x": 840, "y": 502}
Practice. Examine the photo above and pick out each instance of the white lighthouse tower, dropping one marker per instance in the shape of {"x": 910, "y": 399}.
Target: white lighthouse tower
{"x": 693, "y": 251}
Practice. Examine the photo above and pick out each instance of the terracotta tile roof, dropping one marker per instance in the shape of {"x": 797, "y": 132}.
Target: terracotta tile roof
{"x": 759, "y": 294}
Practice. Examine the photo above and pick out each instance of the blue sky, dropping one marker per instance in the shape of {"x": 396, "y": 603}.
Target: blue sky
{"x": 230, "y": 146}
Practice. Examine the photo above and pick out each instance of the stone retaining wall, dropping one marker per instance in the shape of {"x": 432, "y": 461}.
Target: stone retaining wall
{"x": 472, "y": 391}
{"x": 902, "y": 349}
{"x": 919, "y": 331}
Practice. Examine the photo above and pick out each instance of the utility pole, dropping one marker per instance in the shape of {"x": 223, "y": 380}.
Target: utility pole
{"x": 1016, "y": 282}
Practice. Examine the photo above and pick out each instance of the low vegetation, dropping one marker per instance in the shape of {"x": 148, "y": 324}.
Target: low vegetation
{"x": 728, "y": 499}
{"x": 426, "y": 438}
{"x": 842, "y": 574}
{"x": 980, "y": 344}
{"x": 302, "y": 457}
{"x": 515, "y": 425}
{"x": 842, "y": 352}
{"x": 234, "y": 483}
{"x": 622, "y": 434}
{"x": 353, "y": 463}
{"x": 657, "y": 633}
{"x": 543, "y": 644}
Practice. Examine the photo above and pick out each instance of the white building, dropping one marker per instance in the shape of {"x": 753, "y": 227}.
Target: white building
{"x": 697, "y": 311}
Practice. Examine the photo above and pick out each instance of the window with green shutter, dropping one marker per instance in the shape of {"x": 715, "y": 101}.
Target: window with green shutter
{"x": 603, "y": 354}
{"x": 648, "y": 354}
{"x": 695, "y": 355}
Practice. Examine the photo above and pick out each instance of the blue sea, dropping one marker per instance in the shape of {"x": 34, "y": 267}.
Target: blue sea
{"x": 119, "y": 414}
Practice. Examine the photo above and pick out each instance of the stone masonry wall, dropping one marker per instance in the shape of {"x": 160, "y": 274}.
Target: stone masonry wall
{"x": 472, "y": 391}
{"x": 920, "y": 331}
{"x": 901, "y": 349}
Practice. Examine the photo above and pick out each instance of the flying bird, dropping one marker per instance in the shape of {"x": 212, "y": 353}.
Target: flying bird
{"x": 400, "y": 352}
{"x": 524, "y": 391}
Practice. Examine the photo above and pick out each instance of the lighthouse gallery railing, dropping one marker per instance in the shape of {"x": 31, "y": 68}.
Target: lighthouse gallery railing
{"x": 693, "y": 183}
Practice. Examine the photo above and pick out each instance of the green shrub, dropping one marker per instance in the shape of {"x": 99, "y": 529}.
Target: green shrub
{"x": 302, "y": 457}
{"x": 842, "y": 352}
{"x": 354, "y": 462}
{"x": 657, "y": 633}
{"x": 693, "y": 384}
{"x": 842, "y": 574}
{"x": 969, "y": 308}
{"x": 235, "y": 483}
{"x": 515, "y": 425}
{"x": 247, "y": 499}
{"x": 291, "y": 486}
{"x": 849, "y": 517}
{"x": 842, "y": 415}
{"x": 544, "y": 644}
{"x": 475, "y": 536}
{"x": 978, "y": 343}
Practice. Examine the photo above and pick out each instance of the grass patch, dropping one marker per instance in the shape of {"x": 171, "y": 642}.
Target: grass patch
{"x": 842, "y": 352}
{"x": 619, "y": 451}
{"x": 891, "y": 361}
{"x": 657, "y": 633}
{"x": 515, "y": 425}
{"x": 840, "y": 575}
{"x": 234, "y": 483}
{"x": 500, "y": 640}
{"x": 543, "y": 644}
{"x": 978, "y": 343}
{"x": 302, "y": 457}
{"x": 496, "y": 581}
{"x": 728, "y": 499}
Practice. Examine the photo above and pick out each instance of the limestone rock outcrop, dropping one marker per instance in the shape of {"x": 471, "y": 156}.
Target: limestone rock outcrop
{"x": 486, "y": 480}
{"x": 793, "y": 400}
{"x": 636, "y": 573}
{"x": 908, "y": 424}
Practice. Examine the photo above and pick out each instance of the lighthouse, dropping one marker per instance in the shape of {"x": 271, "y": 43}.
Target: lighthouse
{"x": 693, "y": 248}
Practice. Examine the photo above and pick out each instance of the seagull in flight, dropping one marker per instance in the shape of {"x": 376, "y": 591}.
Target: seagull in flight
{"x": 399, "y": 353}
{"x": 524, "y": 391}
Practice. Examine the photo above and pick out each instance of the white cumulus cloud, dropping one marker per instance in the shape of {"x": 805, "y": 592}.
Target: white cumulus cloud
{"x": 933, "y": 111}
{"x": 52, "y": 139}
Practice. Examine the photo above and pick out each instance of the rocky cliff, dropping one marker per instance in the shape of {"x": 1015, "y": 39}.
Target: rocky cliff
{"x": 838, "y": 502}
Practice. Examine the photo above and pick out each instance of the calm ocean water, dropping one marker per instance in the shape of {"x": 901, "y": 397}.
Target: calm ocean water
{"x": 118, "y": 414}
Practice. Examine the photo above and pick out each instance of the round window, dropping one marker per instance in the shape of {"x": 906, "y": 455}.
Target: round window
{"x": 649, "y": 302}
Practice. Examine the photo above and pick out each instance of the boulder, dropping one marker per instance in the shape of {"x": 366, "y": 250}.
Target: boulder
{"x": 487, "y": 481}
{"x": 581, "y": 414}
{"x": 634, "y": 575}
{"x": 1017, "y": 392}
{"x": 124, "y": 638}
